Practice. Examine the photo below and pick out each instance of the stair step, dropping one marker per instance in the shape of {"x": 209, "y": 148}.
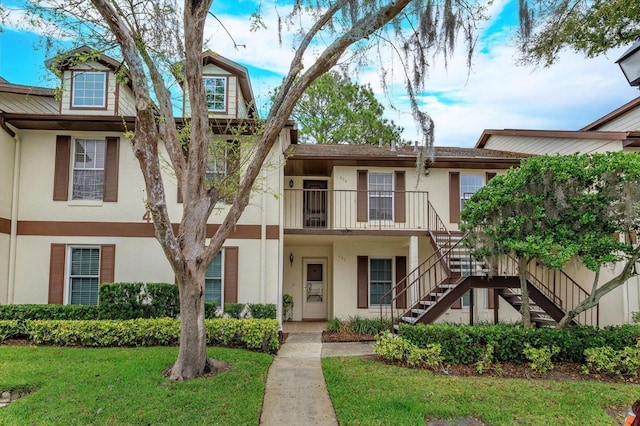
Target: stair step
{"x": 410, "y": 320}
{"x": 427, "y": 302}
{"x": 418, "y": 311}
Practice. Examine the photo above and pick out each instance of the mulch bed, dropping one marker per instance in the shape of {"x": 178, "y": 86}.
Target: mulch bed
{"x": 346, "y": 337}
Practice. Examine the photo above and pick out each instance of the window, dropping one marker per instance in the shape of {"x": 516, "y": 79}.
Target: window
{"x": 469, "y": 185}
{"x": 380, "y": 280}
{"x": 89, "y": 89}
{"x": 215, "y": 89}
{"x": 380, "y": 196}
{"x": 213, "y": 281}
{"x": 217, "y": 162}
{"x": 88, "y": 169}
{"x": 84, "y": 275}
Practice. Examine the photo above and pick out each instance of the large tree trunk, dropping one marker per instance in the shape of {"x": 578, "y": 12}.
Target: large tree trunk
{"x": 192, "y": 354}
{"x": 525, "y": 308}
{"x": 627, "y": 272}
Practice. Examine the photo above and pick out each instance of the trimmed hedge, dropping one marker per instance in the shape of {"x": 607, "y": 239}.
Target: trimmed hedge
{"x": 254, "y": 334}
{"x": 48, "y": 312}
{"x": 463, "y": 344}
{"x": 123, "y": 301}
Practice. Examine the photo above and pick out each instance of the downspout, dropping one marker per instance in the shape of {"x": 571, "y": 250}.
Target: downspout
{"x": 13, "y": 233}
{"x": 280, "y": 236}
{"x": 263, "y": 239}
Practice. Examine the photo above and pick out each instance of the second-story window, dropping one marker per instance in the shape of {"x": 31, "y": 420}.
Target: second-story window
{"x": 380, "y": 196}
{"x": 215, "y": 89}
{"x": 89, "y": 89}
{"x": 469, "y": 185}
{"x": 88, "y": 169}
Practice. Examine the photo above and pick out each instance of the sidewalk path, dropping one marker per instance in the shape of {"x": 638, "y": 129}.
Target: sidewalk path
{"x": 296, "y": 393}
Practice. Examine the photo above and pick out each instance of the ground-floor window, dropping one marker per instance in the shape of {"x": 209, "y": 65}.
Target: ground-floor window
{"x": 213, "y": 281}
{"x": 380, "y": 281}
{"x": 84, "y": 275}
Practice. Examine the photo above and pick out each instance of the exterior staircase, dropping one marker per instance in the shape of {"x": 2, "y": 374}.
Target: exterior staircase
{"x": 435, "y": 285}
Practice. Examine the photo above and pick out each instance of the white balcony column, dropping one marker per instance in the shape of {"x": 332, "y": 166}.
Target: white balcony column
{"x": 413, "y": 264}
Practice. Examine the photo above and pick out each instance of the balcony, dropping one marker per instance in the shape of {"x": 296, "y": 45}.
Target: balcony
{"x": 320, "y": 210}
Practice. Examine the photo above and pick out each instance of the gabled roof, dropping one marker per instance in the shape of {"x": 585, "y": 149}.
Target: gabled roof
{"x": 613, "y": 115}
{"x": 66, "y": 59}
{"x": 6, "y": 87}
{"x": 325, "y": 156}
{"x": 558, "y": 134}
{"x": 212, "y": 58}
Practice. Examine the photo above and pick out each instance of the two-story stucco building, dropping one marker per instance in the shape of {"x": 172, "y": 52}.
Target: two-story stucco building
{"x": 344, "y": 229}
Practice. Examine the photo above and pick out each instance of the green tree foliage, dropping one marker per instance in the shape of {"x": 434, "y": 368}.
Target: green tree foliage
{"x": 336, "y": 110}
{"x": 555, "y": 208}
{"x": 585, "y": 26}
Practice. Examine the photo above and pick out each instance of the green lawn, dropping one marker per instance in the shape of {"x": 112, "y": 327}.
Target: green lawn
{"x": 125, "y": 386}
{"x": 365, "y": 392}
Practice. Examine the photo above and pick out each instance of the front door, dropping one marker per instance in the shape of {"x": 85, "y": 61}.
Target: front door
{"x": 314, "y": 294}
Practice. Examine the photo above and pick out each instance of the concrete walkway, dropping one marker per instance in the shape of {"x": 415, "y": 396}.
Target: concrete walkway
{"x": 296, "y": 393}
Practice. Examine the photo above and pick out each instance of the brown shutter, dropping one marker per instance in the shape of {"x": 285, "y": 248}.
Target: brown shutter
{"x": 61, "y": 172}
{"x": 490, "y": 297}
{"x": 361, "y": 201}
{"x": 401, "y": 274}
{"x": 489, "y": 176}
{"x": 232, "y": 169}
{"x": 457, "y": 304}
{"x": 399, "y": 198}
{"x": 111, "y": 170}
{"x": 231, "y": 275}
{"x": 363, "y": 282}
{"x": 107, "y": 263}
{"x": 56, "y": 273}
{"x": 454, "y": 197}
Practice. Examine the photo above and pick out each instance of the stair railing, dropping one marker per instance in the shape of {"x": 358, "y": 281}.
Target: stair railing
{"x": 562, "y": 290}
{"x": 421, "y": 281}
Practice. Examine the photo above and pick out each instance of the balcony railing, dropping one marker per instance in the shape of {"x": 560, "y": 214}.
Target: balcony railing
{"x": 324, "y": 209}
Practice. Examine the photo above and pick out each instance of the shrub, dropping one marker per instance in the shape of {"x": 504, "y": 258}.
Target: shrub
{"x": 462, "y": 344}
{"x": 263, "y": 310}
{"x": 400, "y": 350}
{"x": 540, "y": 358}
{"x": 211, "y": 310}
{"x": 122, "y": 301}
{"x": 606, "y": 360}
{"x": 11, "y": 329}
{"x": 48, "y": 312}
{"x": 334, "y": 325}
{"x": 486, "y": 359}
{"x": 287, "y": 307}
{"x": 636, "y": 317}
{"x": 234, "y": 310}
{"x": 254, "y": 334}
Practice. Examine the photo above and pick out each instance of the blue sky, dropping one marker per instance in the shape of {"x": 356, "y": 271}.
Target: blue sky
{"x": 496, "y": 94}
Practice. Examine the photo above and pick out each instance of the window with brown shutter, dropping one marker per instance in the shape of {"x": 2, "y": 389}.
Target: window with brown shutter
{"x": 401, "y": 283}
{"x": 362, "y": 197}
{"x": 107, "y": 263}
{"x": 399, "y": 198}
{"x": 231, "y": 275}
{"x": 111, "y": 170}
{"x": 61, "y": 171}
{"x": 363, "y": 282}
{"x": 454, "y": 197}
{"x": 56, "y": 274}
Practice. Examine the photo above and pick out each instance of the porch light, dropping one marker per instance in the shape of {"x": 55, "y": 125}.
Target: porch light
{"x": 630, "y": 64}
{"x": 291, "y": 258}
{"x": 290, "y": 183}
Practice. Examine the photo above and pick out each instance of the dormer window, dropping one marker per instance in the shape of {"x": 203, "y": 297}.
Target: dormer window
{"x": 89, "y": 89}
{"x": 215, "y": 89}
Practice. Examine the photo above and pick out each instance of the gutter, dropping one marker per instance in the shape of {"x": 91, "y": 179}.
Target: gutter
{"x": 13, "y": 233}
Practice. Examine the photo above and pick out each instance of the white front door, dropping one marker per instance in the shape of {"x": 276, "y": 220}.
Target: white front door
{"x": 314, "y": 292}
